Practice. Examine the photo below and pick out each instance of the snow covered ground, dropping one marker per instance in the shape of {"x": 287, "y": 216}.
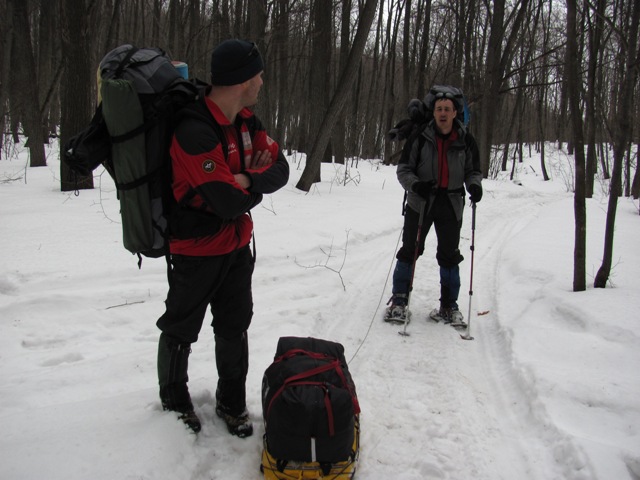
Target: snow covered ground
{"x": 549, "y": 388}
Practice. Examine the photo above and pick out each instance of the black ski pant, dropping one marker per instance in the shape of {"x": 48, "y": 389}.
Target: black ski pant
{"x": 443, "y": 218}
{"x": 222, "y": 284}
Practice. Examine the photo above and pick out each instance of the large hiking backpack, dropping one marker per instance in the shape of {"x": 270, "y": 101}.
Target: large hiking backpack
{"x": 311, "y": 412}
{"x": 130, "y": 134}
{"x": 421, "y": 111}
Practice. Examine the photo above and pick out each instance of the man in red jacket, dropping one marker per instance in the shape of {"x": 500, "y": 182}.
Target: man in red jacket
{"x": 223, "y": 162}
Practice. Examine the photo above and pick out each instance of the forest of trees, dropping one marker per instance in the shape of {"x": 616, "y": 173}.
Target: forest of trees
{"x": 339, "y": 74}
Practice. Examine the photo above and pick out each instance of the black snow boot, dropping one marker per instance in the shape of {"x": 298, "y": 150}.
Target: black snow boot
{"x": 232, "y": 359}
{"x": 173, "y": 362}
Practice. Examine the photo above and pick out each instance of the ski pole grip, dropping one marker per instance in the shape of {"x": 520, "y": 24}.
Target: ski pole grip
{"x": 423, "y": 205}
{"x": 473, "y": 215}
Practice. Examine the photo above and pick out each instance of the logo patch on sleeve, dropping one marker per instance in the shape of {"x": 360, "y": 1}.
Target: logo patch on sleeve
{"x": 208, "y": 166}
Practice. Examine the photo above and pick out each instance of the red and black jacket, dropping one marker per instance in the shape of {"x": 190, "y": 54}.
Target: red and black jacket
{"x": 206, "y": 152}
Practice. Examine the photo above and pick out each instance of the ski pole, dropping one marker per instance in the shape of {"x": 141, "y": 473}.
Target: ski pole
{"x": 423, "y": 204}
{"x": 467, "y": 334}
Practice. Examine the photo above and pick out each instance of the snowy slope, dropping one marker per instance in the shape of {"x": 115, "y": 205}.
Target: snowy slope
{"x": 548, "y": 389}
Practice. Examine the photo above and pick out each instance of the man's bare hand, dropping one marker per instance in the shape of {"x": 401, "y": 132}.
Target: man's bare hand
{"x": 261, "y": 159}
{"x": 242, "y": 180}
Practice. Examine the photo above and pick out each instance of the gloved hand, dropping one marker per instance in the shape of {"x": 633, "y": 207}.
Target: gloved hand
{"x": 475, "y": 192}
{"x": 423, "y": 188}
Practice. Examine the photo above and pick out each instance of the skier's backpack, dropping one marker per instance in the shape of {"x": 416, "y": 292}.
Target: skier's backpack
{"x": 130, "y": 135}
{"x": 311, "y": 412}
{"x": 421, "y": 111}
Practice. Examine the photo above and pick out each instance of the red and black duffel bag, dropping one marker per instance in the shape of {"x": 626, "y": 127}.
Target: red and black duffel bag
{"x": 310, "y": 411}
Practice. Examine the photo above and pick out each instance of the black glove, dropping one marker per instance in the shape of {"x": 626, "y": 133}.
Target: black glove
{"x": 475, "y": 192}
{"x": 423, "y": 189}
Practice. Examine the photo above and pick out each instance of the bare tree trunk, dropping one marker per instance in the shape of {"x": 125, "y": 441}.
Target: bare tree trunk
{"x": 492, "y": 81}
{"x": 579, "y": 206}
{"x": 280, "y": 44}
{"x": 114, "y": 24}
{"x": 389, "y": 99}
{"x": 498, "y": 54}
{"x": 6, "y": 38}
{"x": 257, "y": 21}
{"x": 174, "y": 27}
{"x": 319, "y": 80}
{"x": 27, "y": 78}
{"x": 542, "y": 93}
{"x": 76, "y": 85}
{"x": 344, "y": 85}
{"x": 505, "y": 159}
{"x": 458, "y": 46}
{"x": 47, "y": 65}
{"x": 257, "y": 15}
{"x": 622, "y": 136}
{"x": 339, "y": 134}
{"x": 406, "y": 57}
{"x": 302, "y": 107}
{"x": 240, "y": 27}
{"x": 515, "y": 121}
{"x": 355, "y": 135}
{"x": 470, "y": 76}
{"x": 372, "y": 106}
{"x": 424, "y": 48}
{"x": 561, "y": 125}
{"x": 635, "y": 185}
{"x": 627, "y": 172}
{"x": 156, "y": 19}
{"x": 224, "y": 21}
{"x": 541, "y": 132}
{"x": 595, "y": 35}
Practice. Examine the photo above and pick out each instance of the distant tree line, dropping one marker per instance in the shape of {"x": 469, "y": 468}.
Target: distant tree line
{"x": 339, "y": 73}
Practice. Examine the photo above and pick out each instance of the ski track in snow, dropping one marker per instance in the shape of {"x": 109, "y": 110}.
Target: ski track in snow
{"x": 434, "y": 367}
{"x": 516, "y": 408}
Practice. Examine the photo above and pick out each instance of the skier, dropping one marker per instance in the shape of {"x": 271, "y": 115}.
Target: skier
{"x": 437, "y": 162}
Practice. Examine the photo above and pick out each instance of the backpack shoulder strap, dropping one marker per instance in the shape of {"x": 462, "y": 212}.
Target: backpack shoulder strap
{"x": 123, "y": 64}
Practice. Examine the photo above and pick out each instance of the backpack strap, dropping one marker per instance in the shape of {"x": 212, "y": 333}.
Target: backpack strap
{"x": 123, "y": 63}
{"x": 299, "y": 351}
{"x": 135, "y": 132}
{"x": 333, "y": 364}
